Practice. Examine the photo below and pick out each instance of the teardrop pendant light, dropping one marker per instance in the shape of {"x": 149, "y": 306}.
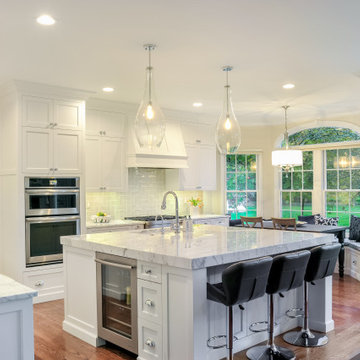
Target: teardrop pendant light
{"x": 150, "y": 122}
{"x": 287, "y": 158}
{"x": 228, "y": 133}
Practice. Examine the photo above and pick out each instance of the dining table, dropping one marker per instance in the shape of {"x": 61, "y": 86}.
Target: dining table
{"x": 338, "y": 231}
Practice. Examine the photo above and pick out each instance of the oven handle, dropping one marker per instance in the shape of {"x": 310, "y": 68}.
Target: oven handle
{"x": 44, "y": 219}
{"x": 103, "y": 262}
{"x": 51, "y": 191}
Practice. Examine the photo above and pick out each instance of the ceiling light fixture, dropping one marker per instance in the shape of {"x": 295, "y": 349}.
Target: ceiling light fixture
{"x": 150, "y": 122}
{"x": 228, "y": 133}
{"x": 108, "y": 89}
{"x": 288, "y": 86}
{"x": 45, "y": 20}
{"x": 197, "y": 104}
{"x": 287, "y": 158}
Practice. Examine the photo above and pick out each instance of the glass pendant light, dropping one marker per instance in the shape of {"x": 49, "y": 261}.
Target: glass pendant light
{"x": 228, "y": 133}
{"x": 287, "y": 158}
{"x": 150, "y": 122}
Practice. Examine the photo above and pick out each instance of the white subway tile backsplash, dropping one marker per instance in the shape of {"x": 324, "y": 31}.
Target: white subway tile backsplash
{"x": 145, "y": 192}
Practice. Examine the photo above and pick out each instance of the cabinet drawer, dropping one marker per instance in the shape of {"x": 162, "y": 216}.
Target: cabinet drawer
{"x": 354, "y": 260}
{"x": 48, "y": 283}
{"x": 149, "y": 271}
{"x": 150, "y": 340}
{"x": 149, "y": 301}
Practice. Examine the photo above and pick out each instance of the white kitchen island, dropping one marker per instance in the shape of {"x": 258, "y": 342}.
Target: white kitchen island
{"x": 181, "y": 319}
{"x": 16, "y": 320}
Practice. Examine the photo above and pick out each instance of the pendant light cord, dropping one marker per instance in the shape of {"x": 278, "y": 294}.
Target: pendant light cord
{"x": 227, "y": 93}
{"x": 286, "y": 134}
{"x": 150, "y": 73}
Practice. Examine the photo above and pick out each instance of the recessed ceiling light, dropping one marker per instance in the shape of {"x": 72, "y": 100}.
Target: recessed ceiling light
{"x": 108, "y": 89}
{"x": 197, "y": 104}
{"x": 45, "y": 20}
{"x": 288, "y": 86}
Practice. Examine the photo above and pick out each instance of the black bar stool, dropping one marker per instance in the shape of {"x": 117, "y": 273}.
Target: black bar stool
{"x": 287, "y": 272}
{"x": 321, "y": 264}
{"x": 241, "y": 282}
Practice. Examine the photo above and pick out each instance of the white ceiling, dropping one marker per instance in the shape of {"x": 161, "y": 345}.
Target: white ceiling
{"x": 97, "y": 43}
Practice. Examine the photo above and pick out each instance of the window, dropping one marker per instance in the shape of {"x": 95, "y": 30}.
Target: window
{"x": 323, "y": 135}
{"x": 342, "y": 179}
{"x": 241, "y": 188}
{"x": 296, "y": 188}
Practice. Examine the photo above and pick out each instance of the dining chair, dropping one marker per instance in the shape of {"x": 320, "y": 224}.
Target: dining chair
{"x": 283, "y": 223}
{"x": 248, "y": 221}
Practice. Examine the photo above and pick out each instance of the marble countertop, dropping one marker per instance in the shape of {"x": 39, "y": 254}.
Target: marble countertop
{"x": 113, "y": 223}
{"x": 206, "y": 246}
{"x": 209, "y": 216}
{"x": 11, "y": 290}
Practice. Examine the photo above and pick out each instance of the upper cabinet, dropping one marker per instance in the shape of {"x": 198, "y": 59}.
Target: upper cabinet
{"x": 46, "y": 113}
{"x": 201, "y": 152}
{"x": 105, "y": 123}
{"x": 52, "y": 135}
{"x": 105, "y": 151}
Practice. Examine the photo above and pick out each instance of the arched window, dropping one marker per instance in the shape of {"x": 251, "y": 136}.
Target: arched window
{"x": 323, "y": 135}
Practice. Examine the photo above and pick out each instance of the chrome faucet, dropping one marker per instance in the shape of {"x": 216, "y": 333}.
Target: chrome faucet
{"x": 163, "y": 207}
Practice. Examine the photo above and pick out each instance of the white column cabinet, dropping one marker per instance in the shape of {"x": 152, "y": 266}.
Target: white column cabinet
{"x": 105, "y": 164}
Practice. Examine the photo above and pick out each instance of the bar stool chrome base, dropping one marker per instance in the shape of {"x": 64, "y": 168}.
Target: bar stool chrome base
{"x": 306, "y": 338}
{"x": 268, "y": 352}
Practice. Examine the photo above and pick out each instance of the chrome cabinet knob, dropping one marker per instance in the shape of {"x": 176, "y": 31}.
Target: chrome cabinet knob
{"x": 149, "y": 303}
{"x": 149, "y": 343}
{"x": 148, "y": 271}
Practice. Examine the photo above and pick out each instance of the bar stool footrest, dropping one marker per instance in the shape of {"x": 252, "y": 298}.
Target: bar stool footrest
{"x": 295, "y": 313}
{"x": 219, "y": 341}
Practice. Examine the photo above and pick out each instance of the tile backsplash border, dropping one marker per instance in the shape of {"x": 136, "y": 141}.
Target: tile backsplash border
{"x": 146, "y": 188}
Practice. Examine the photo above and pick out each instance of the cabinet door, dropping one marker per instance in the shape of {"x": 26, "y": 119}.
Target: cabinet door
{"x": 207, "y": 167}
{"x": 37, "y": 150}
{"x": 114, "y": 171}
{"x": 92, "y": 122}
{"x": 93, "y": 163}
{"x": 37, "y": 111}
{"x": 189, "y": 178}
{"x": 198, "y": 134}
{"x": 67, "y": 151}
{"x": 68, "y": 114}
{"x": 112, "y": 123}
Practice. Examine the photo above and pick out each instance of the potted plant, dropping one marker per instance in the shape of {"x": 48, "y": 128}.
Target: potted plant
{"x": 196, "y": 205}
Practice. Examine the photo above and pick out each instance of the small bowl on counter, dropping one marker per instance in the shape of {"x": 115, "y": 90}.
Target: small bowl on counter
{"x": 101, "y": 219}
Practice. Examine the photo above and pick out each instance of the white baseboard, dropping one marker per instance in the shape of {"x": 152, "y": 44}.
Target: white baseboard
{"x": 82, "y": 334}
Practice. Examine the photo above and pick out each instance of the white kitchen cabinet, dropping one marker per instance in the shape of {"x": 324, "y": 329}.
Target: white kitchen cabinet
{"x": 105, "y": 164}
{"x": 105, "y": 123}
{"x": 201, "y": 173}
{"x": 198, "y": 133}
{"x": 41, "y": 112}
{"x": 50, "y": 151}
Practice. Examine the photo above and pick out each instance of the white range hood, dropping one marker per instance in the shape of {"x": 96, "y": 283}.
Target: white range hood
{"x": 170, "y": 155}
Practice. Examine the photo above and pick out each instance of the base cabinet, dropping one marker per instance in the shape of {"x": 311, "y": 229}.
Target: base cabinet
{"x": 49, "y": 283}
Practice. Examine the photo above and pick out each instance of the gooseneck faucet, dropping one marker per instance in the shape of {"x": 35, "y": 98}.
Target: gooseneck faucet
{"x": 163, "y": 207}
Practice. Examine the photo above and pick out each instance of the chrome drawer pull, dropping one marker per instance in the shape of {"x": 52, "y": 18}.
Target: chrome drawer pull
{"x": 148, "y": 271}
{"x": 149, "y": 302}
{"x": 150, "y": 343}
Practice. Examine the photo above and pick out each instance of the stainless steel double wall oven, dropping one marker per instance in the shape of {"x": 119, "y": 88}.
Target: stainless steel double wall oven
{"x": 52, "y": 209}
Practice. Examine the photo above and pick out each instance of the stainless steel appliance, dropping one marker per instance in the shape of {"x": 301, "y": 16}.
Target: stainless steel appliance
{"x": 117, "y": 300}
{"x": 156, "y": 221}
{"x": 52, "y": 209}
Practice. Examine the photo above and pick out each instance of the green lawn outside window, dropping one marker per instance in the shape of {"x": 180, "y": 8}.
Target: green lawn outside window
{"x": 342, "y": 178}
{"x": 241, "y": 187}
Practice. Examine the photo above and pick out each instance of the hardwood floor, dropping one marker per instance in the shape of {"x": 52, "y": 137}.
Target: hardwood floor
{"x": 52, "y": 343}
